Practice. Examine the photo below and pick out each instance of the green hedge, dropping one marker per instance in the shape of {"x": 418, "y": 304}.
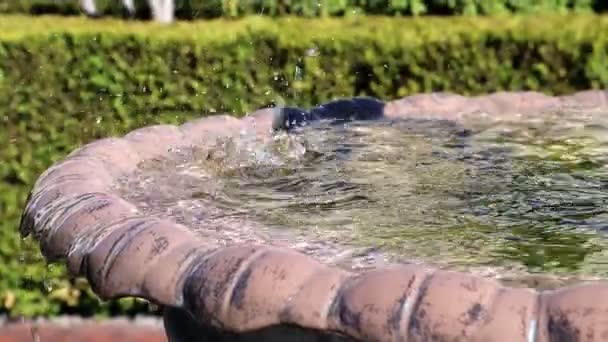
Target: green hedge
{"x": 188, "y": 9}
{"x": 66, "y": 81}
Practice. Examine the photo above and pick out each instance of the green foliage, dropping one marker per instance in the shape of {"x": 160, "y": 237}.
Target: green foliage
{"x": 67, "y": 81}
{"x": 188, "y": 9}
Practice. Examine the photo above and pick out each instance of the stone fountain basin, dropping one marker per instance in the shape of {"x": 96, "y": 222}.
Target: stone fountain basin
{"x": 252, "y": 291}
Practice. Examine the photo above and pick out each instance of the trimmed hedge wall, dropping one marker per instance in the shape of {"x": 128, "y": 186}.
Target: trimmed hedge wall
{"x": 66, "y": 81}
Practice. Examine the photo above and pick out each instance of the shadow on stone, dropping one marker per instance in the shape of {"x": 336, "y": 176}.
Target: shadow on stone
{"x": 181, "y": 327}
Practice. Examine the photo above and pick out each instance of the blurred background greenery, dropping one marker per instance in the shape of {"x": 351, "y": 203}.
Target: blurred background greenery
{"x": 66, "y": 80}
{"x": 205, "y": 9}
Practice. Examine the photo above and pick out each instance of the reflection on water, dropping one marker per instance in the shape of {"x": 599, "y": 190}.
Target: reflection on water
{"x": 514, "y": 195}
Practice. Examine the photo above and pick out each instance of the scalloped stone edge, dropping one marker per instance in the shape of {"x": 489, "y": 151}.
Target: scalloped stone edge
{"x": 77, "y": 217}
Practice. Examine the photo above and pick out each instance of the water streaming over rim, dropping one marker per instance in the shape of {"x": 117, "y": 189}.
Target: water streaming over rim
{"x": 503, "y": 196}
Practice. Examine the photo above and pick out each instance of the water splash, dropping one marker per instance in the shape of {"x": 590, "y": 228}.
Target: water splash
{"x": 502, "y": 196}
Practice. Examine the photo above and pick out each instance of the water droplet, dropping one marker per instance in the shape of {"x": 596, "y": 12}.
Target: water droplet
{"x": 312, "y": 52}
{"x": 48, "y": 286}
{"x": 298, "y": 73}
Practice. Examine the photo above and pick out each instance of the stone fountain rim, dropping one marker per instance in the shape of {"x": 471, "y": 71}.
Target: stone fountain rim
{"x": 78, "y": 217}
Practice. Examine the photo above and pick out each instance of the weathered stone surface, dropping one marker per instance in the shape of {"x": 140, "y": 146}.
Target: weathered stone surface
{"x": 250, "y": 292}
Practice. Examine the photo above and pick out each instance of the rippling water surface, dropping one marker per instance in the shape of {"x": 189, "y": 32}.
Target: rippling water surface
{"x": 513, "y": 197}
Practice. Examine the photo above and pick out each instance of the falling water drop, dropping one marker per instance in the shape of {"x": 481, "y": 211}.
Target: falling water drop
{"x": 298, "y": 73}
{"x": 47, "y": 285}
{"x": 312, "y": 52}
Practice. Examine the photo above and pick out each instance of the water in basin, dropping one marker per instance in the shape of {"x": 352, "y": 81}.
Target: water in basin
{"x": 520, "y": 198}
